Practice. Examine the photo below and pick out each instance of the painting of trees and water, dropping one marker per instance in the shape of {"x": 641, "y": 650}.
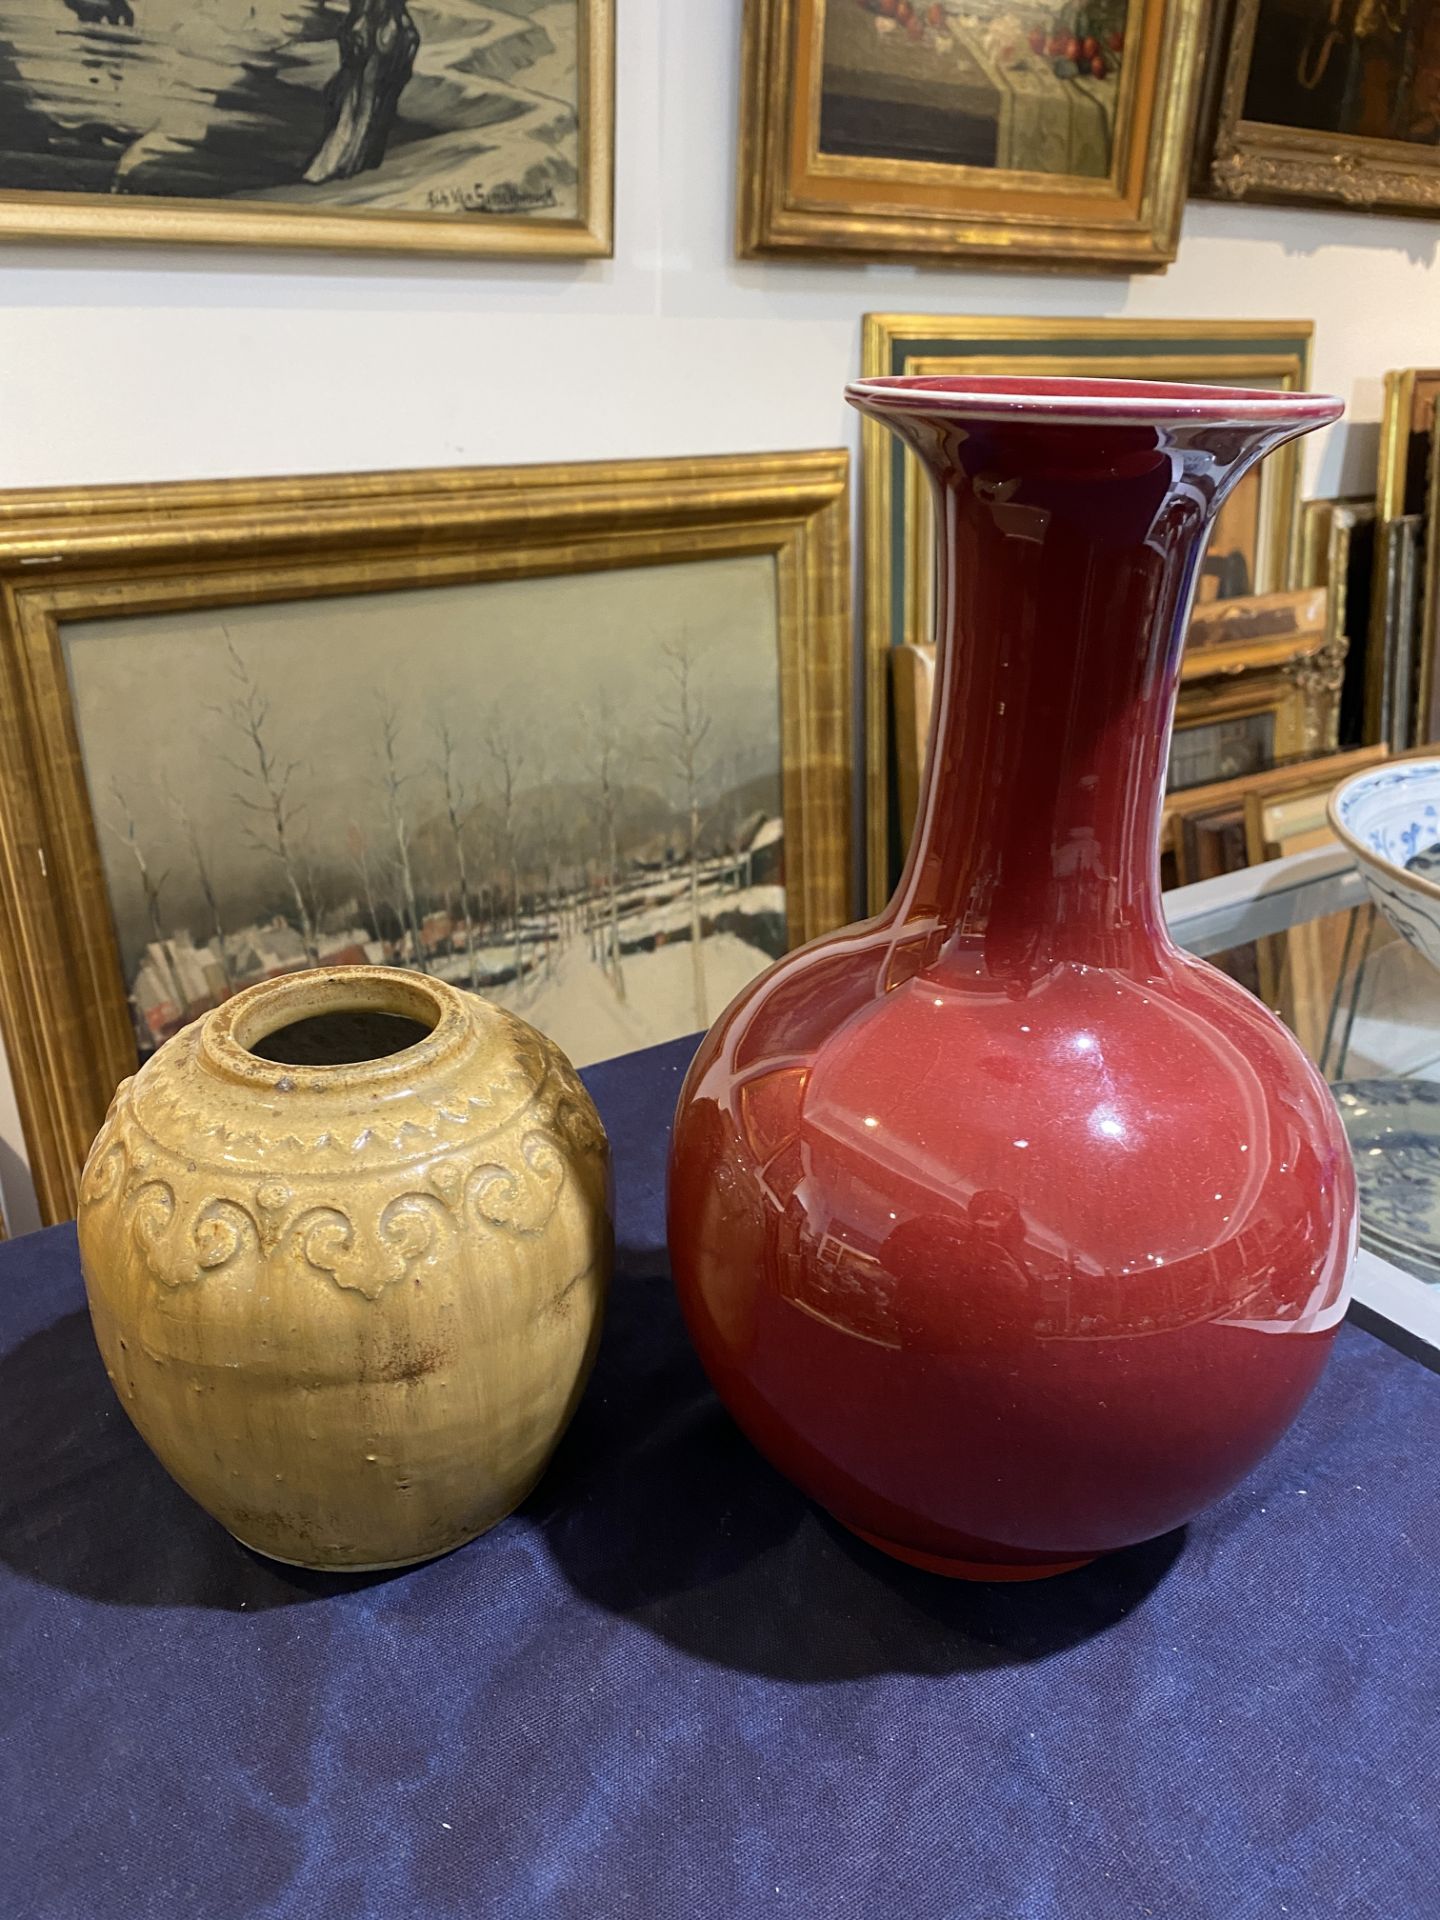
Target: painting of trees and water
{"x": 563, "y": 793}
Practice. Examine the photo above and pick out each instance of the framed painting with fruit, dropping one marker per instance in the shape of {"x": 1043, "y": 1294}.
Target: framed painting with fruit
{"x": 1033, "y": 131}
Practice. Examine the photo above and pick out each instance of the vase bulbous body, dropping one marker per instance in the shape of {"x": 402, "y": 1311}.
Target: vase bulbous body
{"x": 346, "y": 1241}
{"x": 1011, "y": 1233}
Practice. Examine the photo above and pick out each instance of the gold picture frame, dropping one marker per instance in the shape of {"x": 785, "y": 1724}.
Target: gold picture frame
{"x": 455, "y": 220}
{"x": 1287, "y": 682}
{"x": 1293, "y": 674}
{"x": 113, "y": 553}
{"x": 1117, "y": 209}
{"x": 1407, "y": 422}
{"x": 1241, "y": 154}
{"x": 1337, "y": 552}
{"x": 1391, "y": 690}
{"x": 897, "y": 542}
{"x": 1219, "y": 808}
{"x": 1403, "y": 618}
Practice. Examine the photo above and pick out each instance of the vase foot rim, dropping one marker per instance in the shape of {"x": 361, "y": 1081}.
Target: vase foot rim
{"x": 355, "y": 1566}
{"x": 976, "y": 1570}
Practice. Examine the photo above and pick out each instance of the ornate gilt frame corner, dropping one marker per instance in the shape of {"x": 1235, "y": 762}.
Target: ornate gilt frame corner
{"x": 1239, "y": 159}
{"x": 67, "y": 556}
{"x": 774, "y": 217}
{"x": 219, "y": 222}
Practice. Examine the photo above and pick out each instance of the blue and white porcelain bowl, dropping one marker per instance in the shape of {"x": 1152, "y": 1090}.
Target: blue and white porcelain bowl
{"x": 1389, "y": 819}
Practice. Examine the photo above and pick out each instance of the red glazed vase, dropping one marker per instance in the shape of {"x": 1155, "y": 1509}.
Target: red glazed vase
{"x": 1008, "y": 1231}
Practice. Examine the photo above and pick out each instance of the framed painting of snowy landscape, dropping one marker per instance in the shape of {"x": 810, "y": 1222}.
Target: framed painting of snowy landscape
{"x": 576, "y": 738}
{"x": 469, "y": 126}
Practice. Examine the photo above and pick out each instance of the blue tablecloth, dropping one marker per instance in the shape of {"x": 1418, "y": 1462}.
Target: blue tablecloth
{"x": 670, "y": 1687}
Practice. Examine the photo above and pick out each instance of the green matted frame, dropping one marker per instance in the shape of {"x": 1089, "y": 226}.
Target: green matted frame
{"x": 896, "y": 536}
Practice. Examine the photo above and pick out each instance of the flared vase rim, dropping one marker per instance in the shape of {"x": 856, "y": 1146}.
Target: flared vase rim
{"x": 1086, "y": 401}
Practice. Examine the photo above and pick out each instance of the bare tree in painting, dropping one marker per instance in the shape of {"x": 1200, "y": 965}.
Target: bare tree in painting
{"x": 393, "y": 783}
{"x": 274, "y": 822}
{"x": 378, "y": 44}
{"x": 180, "y": 812}
{"x": 507, "y": 760}
{"x": 686, "y": 725}
{"x": 127, "y": 832}
{"x": 603, "y": 734}
{"x": 358, "y": 849}
{"x": 551, "y": 834}
{"x": 726, "y": 817}
{"x": 590, "y": 920}
{"x": 310, "y": 881}
{"x": 453, "y": 789}
{"x": 543, "y": 855}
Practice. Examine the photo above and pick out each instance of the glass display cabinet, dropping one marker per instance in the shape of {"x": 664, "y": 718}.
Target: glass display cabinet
{"x": 1302, "y": 932}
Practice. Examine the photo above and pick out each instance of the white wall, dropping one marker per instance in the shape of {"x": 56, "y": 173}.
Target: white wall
{"x": 150, "y": 364}
{"x": 147, "y": 364}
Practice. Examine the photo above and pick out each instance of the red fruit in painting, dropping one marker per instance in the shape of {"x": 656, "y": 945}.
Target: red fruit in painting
{"x": 1098, "y": 66}
{"x": 1089, "y": 46}
{"x": 1071, "y": 49}
{"x": 936, "y": 15}
{"x": 904, "y": 12}
{"x": 1037, "y": 40}
{"x": 1115, "y": 42}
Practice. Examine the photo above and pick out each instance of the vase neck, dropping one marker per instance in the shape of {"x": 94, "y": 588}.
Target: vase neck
{"x": 1067, "y": 557}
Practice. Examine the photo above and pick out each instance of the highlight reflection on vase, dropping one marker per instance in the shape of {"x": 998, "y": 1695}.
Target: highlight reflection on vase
{"x": 1010, "y": 1232}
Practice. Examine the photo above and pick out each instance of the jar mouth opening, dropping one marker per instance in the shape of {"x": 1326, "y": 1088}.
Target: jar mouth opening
{"x": 333, "y": 1024}
{"x": 341, "y": 1037}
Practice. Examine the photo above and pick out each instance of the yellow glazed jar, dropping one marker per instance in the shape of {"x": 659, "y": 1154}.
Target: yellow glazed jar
{"x": 346, "y": 1242}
